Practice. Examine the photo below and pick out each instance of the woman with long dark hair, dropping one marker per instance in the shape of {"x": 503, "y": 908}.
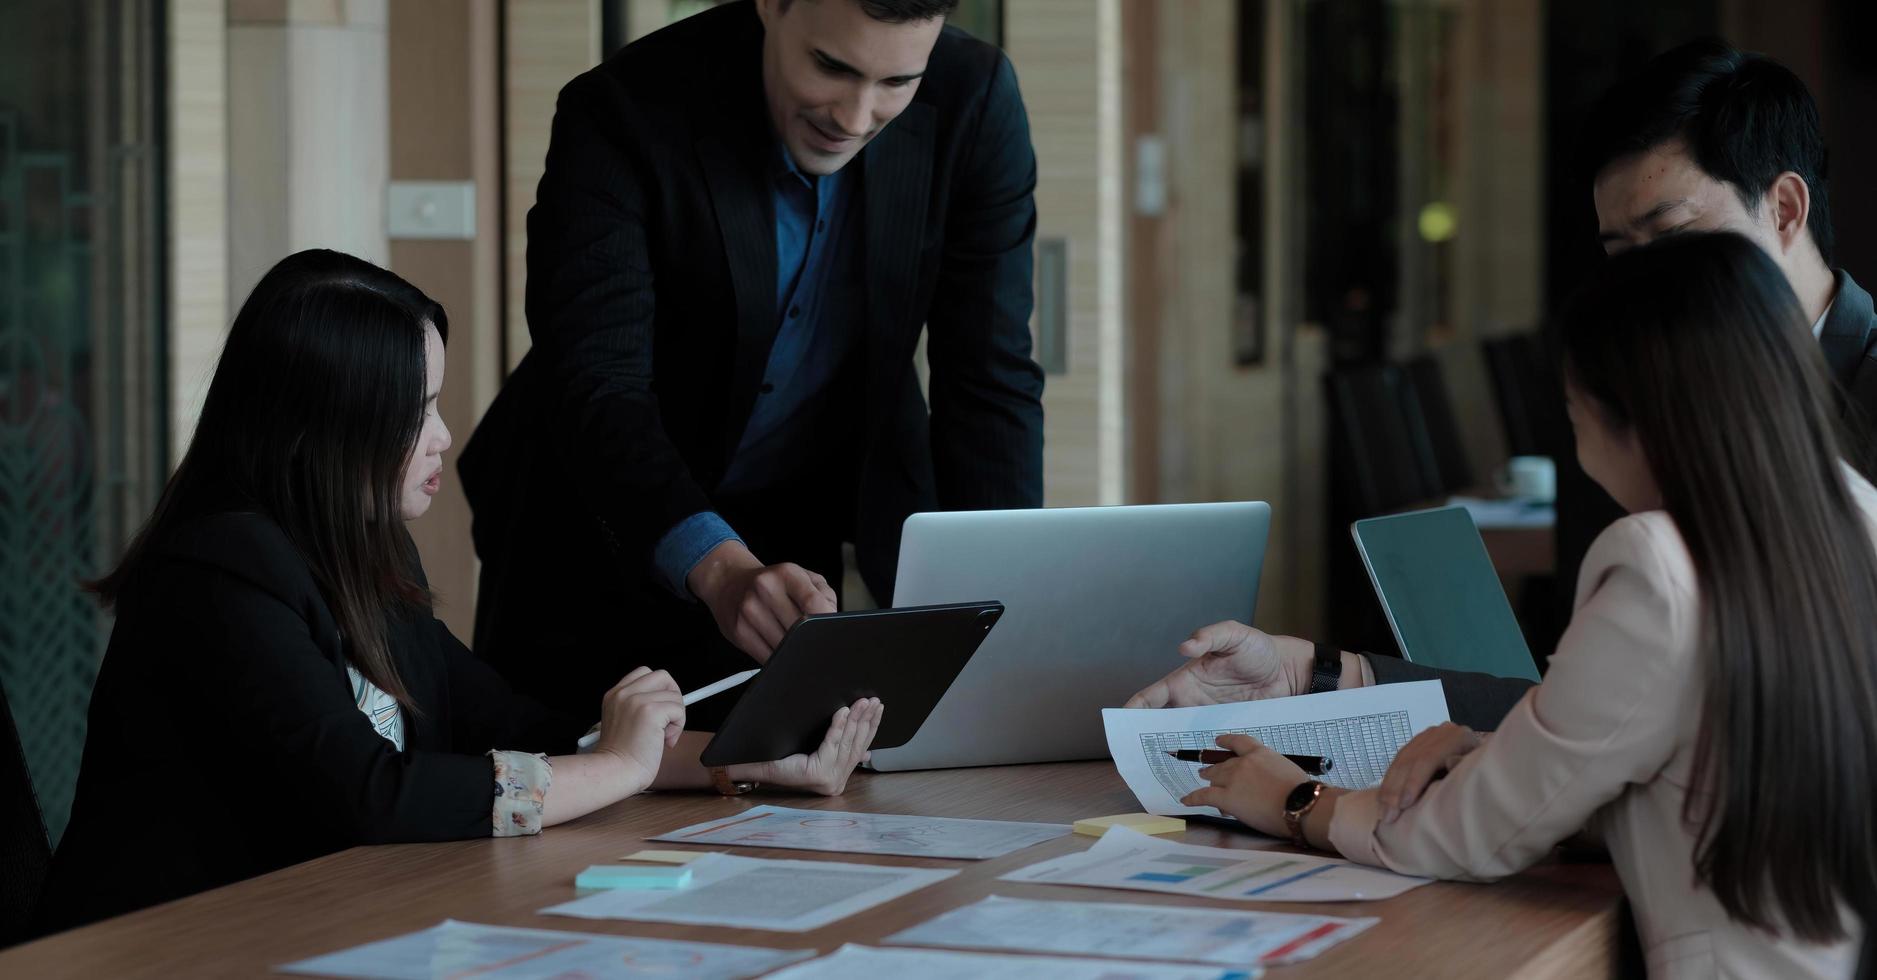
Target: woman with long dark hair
{"x": 1711, "y": 712}
{"x": 276, "y": 686}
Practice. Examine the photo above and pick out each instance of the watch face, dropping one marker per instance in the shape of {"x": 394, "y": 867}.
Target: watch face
{"x": 1301, "y": 796}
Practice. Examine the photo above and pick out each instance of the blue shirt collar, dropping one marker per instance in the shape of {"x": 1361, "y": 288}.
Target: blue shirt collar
{"x": 784, "y": 165}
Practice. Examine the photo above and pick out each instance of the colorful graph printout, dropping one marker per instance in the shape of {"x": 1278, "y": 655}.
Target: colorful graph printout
{"x": 464, "y": 949}
{"x": 867, "y": 963}
{"x": 1230, "y": 937}
{"x": 868, "y": 833}
{"x": 1123, "y": 858}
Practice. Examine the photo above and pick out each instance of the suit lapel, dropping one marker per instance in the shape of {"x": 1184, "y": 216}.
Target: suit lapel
{"x": 745, "y": 212}
{"x": 1847, "y": 330}
{"x": 897, "y": 172}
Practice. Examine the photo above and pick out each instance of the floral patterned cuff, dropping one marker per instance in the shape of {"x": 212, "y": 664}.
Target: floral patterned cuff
{"x": 521, "y": 782}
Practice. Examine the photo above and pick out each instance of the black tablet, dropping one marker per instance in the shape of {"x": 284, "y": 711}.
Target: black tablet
{"x": 905, "y": 657}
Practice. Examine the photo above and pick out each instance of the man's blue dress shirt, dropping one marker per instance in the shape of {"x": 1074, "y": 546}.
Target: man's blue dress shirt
{"x": 814, "y": 246}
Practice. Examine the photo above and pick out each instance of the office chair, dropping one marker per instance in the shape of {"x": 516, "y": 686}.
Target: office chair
{"x": 1531, "y": 403}
{"x": 1381, "y": 451}
{"x": 25, "y": 852}
{"x": 1453, "y": 472}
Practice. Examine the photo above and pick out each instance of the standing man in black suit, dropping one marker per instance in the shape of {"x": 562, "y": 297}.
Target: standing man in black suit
{"x": 744, "y": 223}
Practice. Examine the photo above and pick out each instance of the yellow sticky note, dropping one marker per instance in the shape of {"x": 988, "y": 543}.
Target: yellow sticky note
{"x": 665, "y": 857}
{"x": 1146, "y": 823}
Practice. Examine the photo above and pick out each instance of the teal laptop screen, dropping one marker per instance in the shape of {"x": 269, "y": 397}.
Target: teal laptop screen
{"x": 1440, "y": 591}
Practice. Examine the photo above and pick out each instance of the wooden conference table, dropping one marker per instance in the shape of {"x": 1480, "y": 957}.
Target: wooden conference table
{"x": 1557, "y": 920}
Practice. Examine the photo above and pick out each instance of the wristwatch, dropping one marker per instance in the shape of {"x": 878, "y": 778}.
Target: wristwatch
{"x": 720, "y": 778}
{"x": 1298, "y": 805}
{"x": 1328, "y": 672}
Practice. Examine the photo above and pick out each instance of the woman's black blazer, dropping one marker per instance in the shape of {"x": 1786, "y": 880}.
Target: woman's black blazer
{"x": 224, "y": 741}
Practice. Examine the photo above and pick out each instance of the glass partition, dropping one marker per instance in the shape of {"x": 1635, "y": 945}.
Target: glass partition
{"x": 82, "y": 401}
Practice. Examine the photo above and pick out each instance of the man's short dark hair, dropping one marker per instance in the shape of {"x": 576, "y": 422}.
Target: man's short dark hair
{"x": 900, "y": 11}
{"x": 1744, "y": 117}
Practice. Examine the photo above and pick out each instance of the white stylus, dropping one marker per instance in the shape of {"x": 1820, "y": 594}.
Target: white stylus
{"x": 592, "y": 738}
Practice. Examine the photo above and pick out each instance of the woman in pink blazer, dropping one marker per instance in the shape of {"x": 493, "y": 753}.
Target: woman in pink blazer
{"x": 1711, "y": 712}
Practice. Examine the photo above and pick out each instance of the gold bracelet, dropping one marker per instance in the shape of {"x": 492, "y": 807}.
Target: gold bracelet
{"x": 720, "y": 778}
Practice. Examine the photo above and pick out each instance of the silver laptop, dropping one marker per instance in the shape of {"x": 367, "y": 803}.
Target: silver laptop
{"x": 1096, "y": 602}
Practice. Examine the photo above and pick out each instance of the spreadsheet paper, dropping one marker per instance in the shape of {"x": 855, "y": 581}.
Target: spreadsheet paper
{"x": 1358, "y": 730}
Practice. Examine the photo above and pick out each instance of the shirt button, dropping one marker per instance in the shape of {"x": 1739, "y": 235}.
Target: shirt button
{"x": 794, "y": 311}
{"x": 767, "y": 388}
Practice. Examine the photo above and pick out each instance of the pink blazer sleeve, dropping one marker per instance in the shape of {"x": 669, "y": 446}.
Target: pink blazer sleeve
{"x": 1607, "y": 716}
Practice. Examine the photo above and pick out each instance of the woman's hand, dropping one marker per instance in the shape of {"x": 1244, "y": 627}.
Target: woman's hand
{"x": 1251, "y": 787}
{"x": 825, "y": 771}
{"x": 639, "y": 718}
{"x": 1427, "y": 757}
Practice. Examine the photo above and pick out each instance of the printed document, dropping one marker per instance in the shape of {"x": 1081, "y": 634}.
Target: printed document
{"x": 1156, "y": 932}
{"x": 464, "y": 949}
{"x": 753, "y": 893}
{"x": 852, "y": 962}
{"x": 1358, "y": 730}
{"x": 1125, "y": 858}
{"x": 868, "y": 833}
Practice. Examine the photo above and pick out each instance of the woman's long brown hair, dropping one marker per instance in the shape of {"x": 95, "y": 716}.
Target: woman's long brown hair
{"x": 1698, "y": 346}
{"x": 311, "y": 415}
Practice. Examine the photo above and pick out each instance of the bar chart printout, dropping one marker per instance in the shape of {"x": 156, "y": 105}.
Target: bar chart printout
{"x": 1128, "y": 859}
{"x": 1359, "y": 730}
{"x": 852, "y": 962}
{"x": 468, "y": 949}
{"x": 1228, "y": 937}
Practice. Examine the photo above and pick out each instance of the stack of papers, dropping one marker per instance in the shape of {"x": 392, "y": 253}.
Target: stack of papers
{"x": 462, "y": 949}
{"x": 1123, "y": 858}
{"x": 868, "y": 833}
{"x": 752, "y": 893}
{"x": 1231, "y": 937}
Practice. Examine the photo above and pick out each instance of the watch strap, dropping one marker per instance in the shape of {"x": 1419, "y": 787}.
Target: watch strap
{"x": 1294, "y": 814}
{"x": 1327, "y": 672}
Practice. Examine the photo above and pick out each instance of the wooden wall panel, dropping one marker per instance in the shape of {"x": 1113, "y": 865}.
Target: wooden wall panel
{"x": 1498, "y": 87}
{"x": 444, "y": 112}
{"x": 1227, "y": 432}
{"x": 198, "y": 222}
{"x": 1068, "y": 59}
{"x": 546, "y": 43}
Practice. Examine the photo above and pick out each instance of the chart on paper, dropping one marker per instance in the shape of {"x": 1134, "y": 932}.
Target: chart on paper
{"x": 852, "y": 962}
{"x": 1229, "y": 937}
{"x": 466, "y": 949}
{"x": 1358, "y": 730}
{"x": 1123, "y": 858}
{"x": 868, "y": 833}
{"x": 1361, "y": 746}
{"x": 753, "y": 893}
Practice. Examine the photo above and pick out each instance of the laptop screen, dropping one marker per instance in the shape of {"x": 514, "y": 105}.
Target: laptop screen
{"x": 1441, "y": 593}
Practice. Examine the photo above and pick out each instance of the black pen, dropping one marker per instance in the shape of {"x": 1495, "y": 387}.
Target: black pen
{"x": 1314, "y": 765}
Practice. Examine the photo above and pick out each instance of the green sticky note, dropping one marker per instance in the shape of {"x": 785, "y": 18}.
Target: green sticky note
{"x": 634, "y": 876}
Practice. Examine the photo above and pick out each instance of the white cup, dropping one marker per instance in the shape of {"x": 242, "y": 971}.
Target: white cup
{"x": 1533, "y": 478}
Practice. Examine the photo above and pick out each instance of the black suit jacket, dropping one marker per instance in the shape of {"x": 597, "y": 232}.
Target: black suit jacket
{"x": 651, "y": 303}
{"x": 224, "y": 741}
{"x": 1849, "y": 340}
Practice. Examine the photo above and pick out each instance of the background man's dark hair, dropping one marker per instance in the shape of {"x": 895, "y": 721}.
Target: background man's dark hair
{"x": 900, "y": 11}
{"x": 1745, "y": 118}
